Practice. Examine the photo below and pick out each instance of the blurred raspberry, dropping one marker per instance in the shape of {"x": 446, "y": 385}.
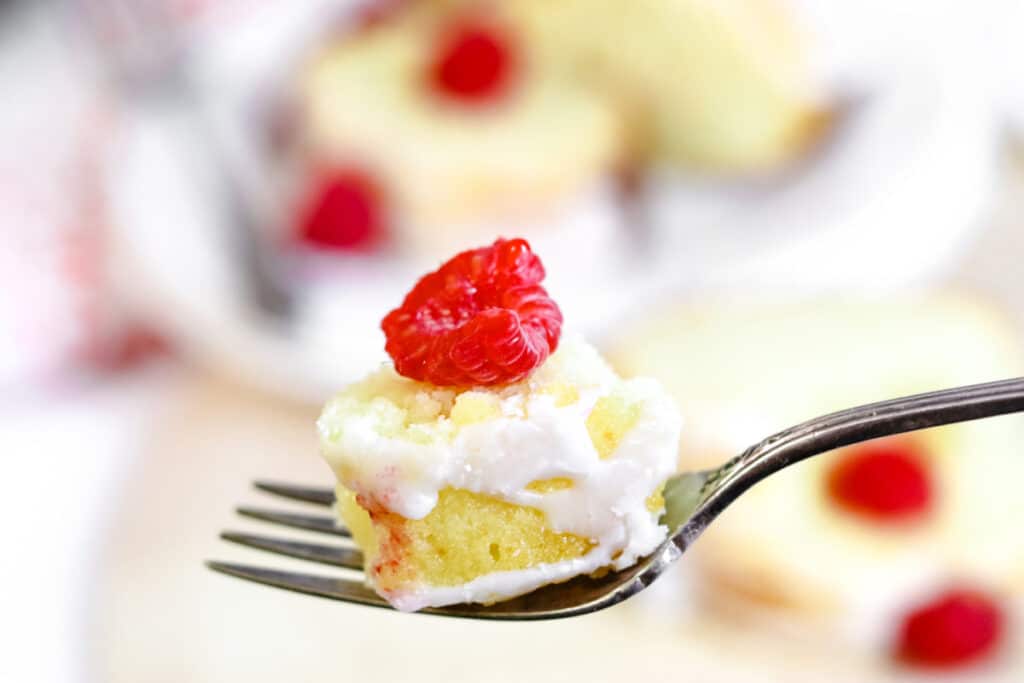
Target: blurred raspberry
{"x": 957, "y": 628}
{"x": 343, "y": 211}
{"x": 474, "y": 62}
{"x": 887, "y": 480}
{"x": 482, "y": 318}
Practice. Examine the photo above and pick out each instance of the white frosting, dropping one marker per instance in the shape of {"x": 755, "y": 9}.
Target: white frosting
{"x": 532, "y": 439}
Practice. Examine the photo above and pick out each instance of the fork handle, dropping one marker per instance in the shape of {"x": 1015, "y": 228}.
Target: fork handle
{"x": 855, "y": 425}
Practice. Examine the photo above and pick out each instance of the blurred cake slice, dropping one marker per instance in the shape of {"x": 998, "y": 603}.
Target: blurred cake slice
{"x": 848, "y": 543}
{"x": 459, "y": 128}
{"x": 718, "y": 85}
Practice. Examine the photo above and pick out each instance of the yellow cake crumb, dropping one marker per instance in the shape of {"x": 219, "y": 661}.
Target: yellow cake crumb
{"x": 565, "y": 394}
{"x": 656, "y": 501}
{"x": 550, "y": 485}
{"x": 609, "y": 421}
{"x": 475, "y": 406}
{"x": 357, "y": 520}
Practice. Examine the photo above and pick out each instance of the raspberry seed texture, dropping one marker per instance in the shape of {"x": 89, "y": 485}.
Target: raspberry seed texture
{"x": 482, "y": 318}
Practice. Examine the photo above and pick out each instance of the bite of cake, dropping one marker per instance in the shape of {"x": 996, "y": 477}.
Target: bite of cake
{"x": 493, "y": 457}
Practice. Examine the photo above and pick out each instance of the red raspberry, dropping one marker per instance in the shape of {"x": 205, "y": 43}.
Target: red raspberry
{"x": 343, "y": 211}
{"x": 884, "y": 481}
{"x": 474, "y": 62}
{"x": 956, "y": 628}
{"x": 482, "y": 318}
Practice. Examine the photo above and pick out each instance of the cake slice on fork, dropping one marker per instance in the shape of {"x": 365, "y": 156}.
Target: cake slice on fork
{"x": 492, "y": 457}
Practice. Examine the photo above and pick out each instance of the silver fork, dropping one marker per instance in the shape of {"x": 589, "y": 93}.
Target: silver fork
{"x": 692, "y": 501}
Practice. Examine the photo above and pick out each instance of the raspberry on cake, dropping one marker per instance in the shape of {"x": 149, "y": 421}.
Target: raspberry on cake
{"x": 473, "y": 62}
{"x": 886, "y": 480}
{"x": 482, "y": 318}
{"x": 958, "y": 627}
{"x": 466, "y": 490}
{"x": 344, "y": 210}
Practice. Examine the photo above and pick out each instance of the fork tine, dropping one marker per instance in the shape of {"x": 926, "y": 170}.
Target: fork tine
{"x": 318, "y": 523}
{"x": 350, "y": 558}
{"x": 527, "y": 607}
{"x": 306, "y": 494}
{"x": 322, "y": 586}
